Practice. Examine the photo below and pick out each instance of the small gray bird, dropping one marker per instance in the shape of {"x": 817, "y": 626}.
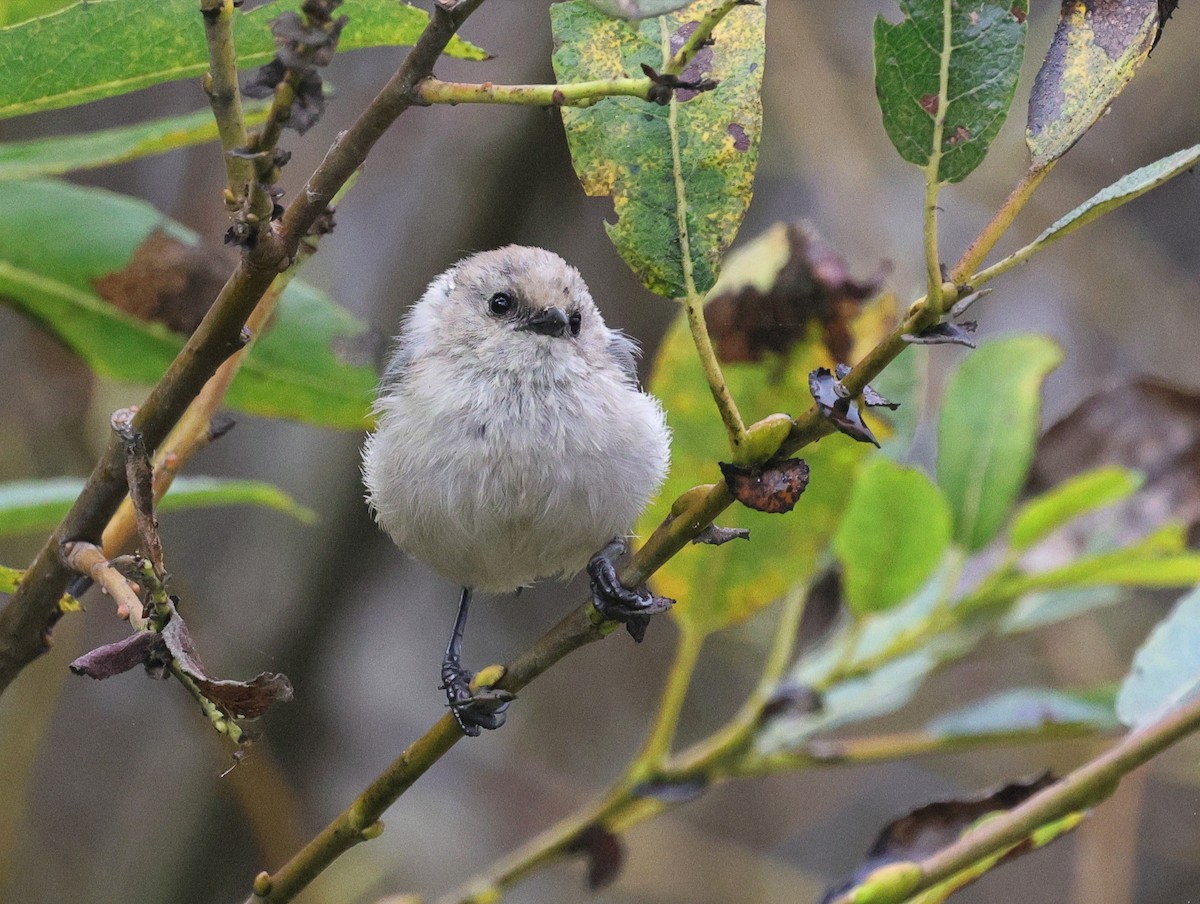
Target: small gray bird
{"x": 512, "y": 442}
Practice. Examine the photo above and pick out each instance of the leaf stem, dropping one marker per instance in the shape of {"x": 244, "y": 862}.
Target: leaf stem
{"x": 693, "y": 302}
{"x": 933, "y": 176}
{"x": 1080, "y": 789}
{"x": 998, "y": 225}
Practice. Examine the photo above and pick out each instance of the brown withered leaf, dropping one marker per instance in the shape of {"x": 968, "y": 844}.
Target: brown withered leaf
{"x": 604, "y": 854}
{"x": 1149, "y": 425}
{"x": 792, "y": 699}
{"x": 238, "y": 699}
{"x": 166, "y": 281}
{"x": 773, "y": 288}
{"x": 928, "y": 829}
{"x": 835, "y": 404}
{"x": 143, "y": 648}
{"x": 774, "y": 488}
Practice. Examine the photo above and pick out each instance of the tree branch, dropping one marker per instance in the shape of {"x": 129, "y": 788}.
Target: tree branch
{"x": 1082, "y": 788}
{"x": 28, "y": 618}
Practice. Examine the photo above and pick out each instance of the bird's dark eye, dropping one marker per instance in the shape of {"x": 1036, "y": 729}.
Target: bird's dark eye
{"x": 500, "y": 304}
{"x": 575, "y": 322}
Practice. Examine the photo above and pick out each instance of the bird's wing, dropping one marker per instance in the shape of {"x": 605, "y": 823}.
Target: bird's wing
{"x": 625, "y": 352}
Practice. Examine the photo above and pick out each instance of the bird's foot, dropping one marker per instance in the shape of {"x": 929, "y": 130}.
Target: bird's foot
{"x": 616, "y": 602}
{"x": 473, "y": 710}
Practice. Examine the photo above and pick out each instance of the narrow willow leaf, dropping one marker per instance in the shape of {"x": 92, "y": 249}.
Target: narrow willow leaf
{"x": 945, "y": 77}
{"x": 1133, "y": 185}
{"x": 14, "y": 11}
{"x": 313, "y": 365}
{"x": 1158, "y": 560}
{"x": 1096, "y": 51}
{"x": 895, "y": 530}
{"x": 988, "y": 429}
{"x": 679, "y": 175}
{"x": 1028, "y": 709}
{"x": 33, "y": 506}
{"x": 87, "y": 150}
{"x": 1081, "y": 494}
{"x": 1166, "y": 669}
{"x": 638, "y": 9}
{"x": 101, "y": 48}
{"x": 721, "y": 585}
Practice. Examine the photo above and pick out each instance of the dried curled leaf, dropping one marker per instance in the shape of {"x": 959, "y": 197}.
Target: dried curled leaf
{"x": 774, "y": 488}
{"x": 144, "y": 648}
{"x": 837, "y": 406}
{"x": 239, "y": 699}
{"x": 604, "y": 854}
{"x": 945, "y": 334}
{"x": 772, "y": 289}
{"x": 155, "y": 651}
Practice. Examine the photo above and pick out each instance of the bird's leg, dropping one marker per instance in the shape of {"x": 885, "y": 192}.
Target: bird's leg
{"x": 615, "y": 601}
{"x": 472, "y": 710}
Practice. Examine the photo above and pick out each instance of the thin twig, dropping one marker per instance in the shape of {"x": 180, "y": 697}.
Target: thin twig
{"x": 576, "y": 94}
{"x": 90, "y": 560}
{"x": 225, "y": 98}
{"x": 998, "y": 225}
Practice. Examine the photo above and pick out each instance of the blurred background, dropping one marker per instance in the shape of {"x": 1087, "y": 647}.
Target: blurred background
{"x": 117, "y": 791}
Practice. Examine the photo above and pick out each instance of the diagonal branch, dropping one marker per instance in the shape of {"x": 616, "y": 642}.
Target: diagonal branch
{"x": 26, "y": 622}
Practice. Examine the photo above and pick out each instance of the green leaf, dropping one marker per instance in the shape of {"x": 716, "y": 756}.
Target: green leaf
{"x": 1125, "y": 189}
{"x": 1027, "y": 709}
{"x": 1097, "y": 48}
{"x": 33, "y": 506}
{"x": 1081, "y": 494}
{"x": 1166, "y": 668}
{"x": 638, "y": 9}
{"x": 310, "y": 366}
{"x": 103, "y": 48}
{"x": 988, "y": 428}
{"x": 1048, "y": 607}
{"x": 894, "y": 533}
{"x": 1158, "y": 560}
{"x": 878, "y": 693}
{"x": 14, "y": 11}
{"x": 945, "y": 77}
{"x": 721, "y": 585}
{"x": 690, "y": 162}
{"x": 86, "y": 150}
{"x": 872, "y": 667}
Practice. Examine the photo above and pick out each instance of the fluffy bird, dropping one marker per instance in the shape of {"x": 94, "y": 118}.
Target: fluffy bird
{"x": 513, "y": 443}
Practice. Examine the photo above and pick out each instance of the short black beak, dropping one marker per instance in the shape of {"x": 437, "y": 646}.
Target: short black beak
{"x": 548, "y": 322}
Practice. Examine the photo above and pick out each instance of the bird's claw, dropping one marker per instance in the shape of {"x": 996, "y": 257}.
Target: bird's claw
{"x": 633, "y": 607}
{"x": 483, "y": 708}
